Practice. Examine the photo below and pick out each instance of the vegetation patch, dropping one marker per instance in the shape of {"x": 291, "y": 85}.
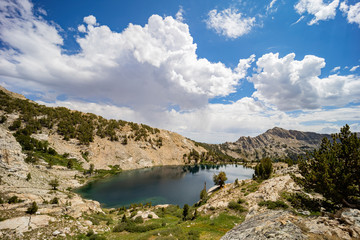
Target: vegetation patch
{"x": 274, "y": 204}
{"x": 236, "y": 206}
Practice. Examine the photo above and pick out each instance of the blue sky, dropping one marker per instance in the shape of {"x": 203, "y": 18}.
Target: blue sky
{"x": 209, "y": 70}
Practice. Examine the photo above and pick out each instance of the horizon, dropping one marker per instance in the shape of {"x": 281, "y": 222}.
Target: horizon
{"x": 210, "y": 71}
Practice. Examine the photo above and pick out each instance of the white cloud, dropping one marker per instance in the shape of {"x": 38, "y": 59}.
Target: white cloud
{"x": 270, "y": 6}
{"x": 290, "y": 84}
{"x": 352, "y": 11}
{"x": 180, "y": 14}
{"x": 82, "y": 28}
{"x": 106, "y": 110}
{"x": 150, "y": 67}
{"x": 353, "y": 69}
{"x": 335, "y": 69}
{"x": 318, "y": 8}
{"x": 229, "y": 22}
{"x": 301, "y": 18}
{"x": 90, "y": 20}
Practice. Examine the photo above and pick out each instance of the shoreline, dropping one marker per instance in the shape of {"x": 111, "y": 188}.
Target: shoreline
{"x": 82, "y": 190}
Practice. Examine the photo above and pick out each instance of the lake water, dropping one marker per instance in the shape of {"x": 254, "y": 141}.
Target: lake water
{"x": 159, "y": 185}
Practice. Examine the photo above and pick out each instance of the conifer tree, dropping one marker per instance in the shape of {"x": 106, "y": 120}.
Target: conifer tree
{"x": 334, "y": 169}
{"x": 220, "y": 179}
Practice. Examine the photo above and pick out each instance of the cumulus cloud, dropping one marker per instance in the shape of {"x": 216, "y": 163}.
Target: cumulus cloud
{"x": 290, "y": 84}
{"x": 229, "y": 23}
{"x": 321, "y": 11}
{"x": 352, "y": 12}
{"x": 90, "y": 20}
{"x": 152, "y": 66}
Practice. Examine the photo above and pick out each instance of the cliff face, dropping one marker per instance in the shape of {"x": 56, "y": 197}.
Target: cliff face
{"x": 274, "y": 143}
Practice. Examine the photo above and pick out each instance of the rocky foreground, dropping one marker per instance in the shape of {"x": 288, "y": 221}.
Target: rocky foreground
{"x": 282, "y": 223}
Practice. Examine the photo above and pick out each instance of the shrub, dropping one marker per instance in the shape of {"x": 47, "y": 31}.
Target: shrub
{"x": 15, "y": 125}
{"x": 273, "y": 204}
{"x": 55, "y": 200}
{"x": 28, "y": 177}
{"x": 302, "y": 201}
{"x": 236, "y": 206}
{"x": 32, "y": 209}
{"x": 70, "y": 164}
{"x": 139, "y": 219}
{"x": 13, "y": 199}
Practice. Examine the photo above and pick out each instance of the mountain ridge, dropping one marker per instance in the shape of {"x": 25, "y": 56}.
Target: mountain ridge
{"x": 276, "y": 143}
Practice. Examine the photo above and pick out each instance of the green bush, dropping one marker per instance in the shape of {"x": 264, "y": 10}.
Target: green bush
{"x": 139, "y": 219}
{"x": 13, "y": 199}
{"x": 304, "y": 202}
{"x": 236, "y": 206}
{"x": 55, "y": 200}
{"x": 274, "y": 204}
{"x": 32, "y": 209}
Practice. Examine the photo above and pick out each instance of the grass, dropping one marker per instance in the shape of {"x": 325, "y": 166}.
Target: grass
{"x": 103, "y": 173}
{"x": 58, "y": 160}
{"x": 170, "y": 226}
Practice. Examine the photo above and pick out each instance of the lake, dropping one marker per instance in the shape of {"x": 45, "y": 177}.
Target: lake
{"x": 159, "y": 185}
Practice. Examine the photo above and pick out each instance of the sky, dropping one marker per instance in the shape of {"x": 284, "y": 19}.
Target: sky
{"x": 209, "y": 70}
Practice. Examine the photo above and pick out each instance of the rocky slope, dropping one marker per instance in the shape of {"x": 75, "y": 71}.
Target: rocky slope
{"x": 280, "y": 223}
{"x": 274, "y": 143}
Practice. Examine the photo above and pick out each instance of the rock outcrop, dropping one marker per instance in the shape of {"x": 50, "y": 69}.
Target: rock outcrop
{"x": 11, "y": 156}
{"x": 267, "y": 225}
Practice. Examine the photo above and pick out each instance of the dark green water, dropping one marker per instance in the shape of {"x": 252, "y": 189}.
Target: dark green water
{"x": 159, "y": 185}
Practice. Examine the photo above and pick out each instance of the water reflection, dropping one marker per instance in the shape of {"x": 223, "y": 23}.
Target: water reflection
{"x": 168, "y": 184}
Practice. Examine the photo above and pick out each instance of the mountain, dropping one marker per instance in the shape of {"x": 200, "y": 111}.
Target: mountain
{"x": 274, "y": 143}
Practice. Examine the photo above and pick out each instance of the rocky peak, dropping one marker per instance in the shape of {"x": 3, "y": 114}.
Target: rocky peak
{"x": 275, "y": 143}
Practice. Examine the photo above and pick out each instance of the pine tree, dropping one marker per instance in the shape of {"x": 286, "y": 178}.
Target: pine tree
{"x": 220, "y": 179}
{"x": 264, "y": 169}
{"x": 185, "y": 211}
{"x": 54, "y": 184}
{"x": 203, "y": 194}
{"x": 334, "y": 169}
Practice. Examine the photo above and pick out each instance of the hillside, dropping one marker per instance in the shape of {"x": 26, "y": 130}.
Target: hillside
{"x": 276, "y": 143}
{"x": 89, "y": 139}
